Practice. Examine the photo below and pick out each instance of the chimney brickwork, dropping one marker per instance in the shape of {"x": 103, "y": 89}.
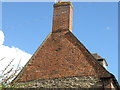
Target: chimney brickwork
{"x": 62, "y": 17}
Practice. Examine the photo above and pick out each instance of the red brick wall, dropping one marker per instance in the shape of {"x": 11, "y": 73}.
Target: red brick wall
{"x": 62, "y": 18}
{"x": 61, "y": 56}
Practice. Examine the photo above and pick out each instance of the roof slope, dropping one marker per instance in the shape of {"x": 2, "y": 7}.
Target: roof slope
{"x": 61, "y": 55}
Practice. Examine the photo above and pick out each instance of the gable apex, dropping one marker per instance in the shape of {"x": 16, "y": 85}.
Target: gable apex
{"x": 61, "y": 55}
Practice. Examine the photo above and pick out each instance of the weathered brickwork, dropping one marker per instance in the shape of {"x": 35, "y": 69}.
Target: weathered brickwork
{"x": 62, "y": 18}
{"x": 61, "y": 55}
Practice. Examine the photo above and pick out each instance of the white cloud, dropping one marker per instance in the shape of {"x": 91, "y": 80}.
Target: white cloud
{"x": 9, "y": 53}
{"x": 1, "y": 37}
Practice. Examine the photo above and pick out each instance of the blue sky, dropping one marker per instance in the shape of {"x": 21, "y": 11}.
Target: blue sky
{"x": 26, "y": 25}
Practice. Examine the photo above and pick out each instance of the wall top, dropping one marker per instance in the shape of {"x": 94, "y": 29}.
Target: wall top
{"x": 63, "y": 2}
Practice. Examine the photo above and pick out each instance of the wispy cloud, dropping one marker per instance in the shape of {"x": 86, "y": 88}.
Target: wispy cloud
{"x": 9, "y": 53}
{"x": 108, "y": 28}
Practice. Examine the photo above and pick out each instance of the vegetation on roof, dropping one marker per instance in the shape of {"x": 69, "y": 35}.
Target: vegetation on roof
{"x": 61, "y": 3}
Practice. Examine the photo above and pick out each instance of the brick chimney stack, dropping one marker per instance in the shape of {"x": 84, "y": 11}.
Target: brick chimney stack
{"x": 62, "y": 17}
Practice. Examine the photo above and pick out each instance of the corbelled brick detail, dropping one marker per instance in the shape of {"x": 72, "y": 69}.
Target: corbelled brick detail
{"x": 62, "y": 18}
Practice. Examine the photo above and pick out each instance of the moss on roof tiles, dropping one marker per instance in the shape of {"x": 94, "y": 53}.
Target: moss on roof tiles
{"x": 61, "y": 3}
